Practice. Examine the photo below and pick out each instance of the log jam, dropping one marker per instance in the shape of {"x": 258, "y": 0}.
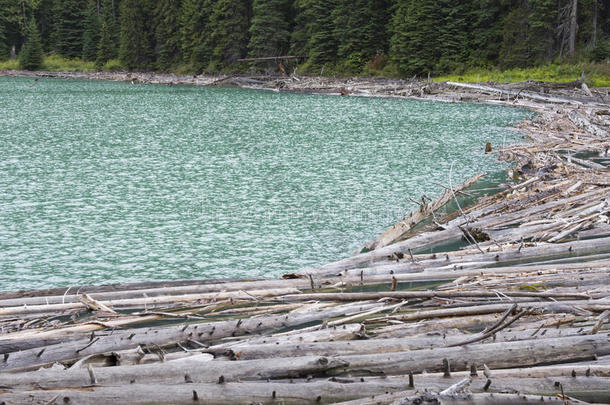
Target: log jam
{"x": 504, "y": 299}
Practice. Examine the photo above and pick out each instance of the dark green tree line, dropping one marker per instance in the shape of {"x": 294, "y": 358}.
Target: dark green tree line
{"x": 408, "y": 37}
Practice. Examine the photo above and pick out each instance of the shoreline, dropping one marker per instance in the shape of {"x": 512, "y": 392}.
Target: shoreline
{"x": 407, "y": 320}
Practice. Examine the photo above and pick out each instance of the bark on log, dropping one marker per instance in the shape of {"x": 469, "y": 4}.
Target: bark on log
{"x": 148, "y": 302}
{"x": 495, "y": 355}
{"x": 175, "y": 373}
{"x": 21, "y": 349}
{"x": 298, "y": 392}
{"x": 249, "y": 351}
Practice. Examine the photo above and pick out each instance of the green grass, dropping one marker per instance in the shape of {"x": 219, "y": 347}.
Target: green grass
{"x": 9, "y": 64}
{"x": 597, "y": 74}
{"x": 55, "y": 63}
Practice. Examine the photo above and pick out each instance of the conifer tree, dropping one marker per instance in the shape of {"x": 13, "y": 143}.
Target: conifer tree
{"x": 301, "y": 30}
{"x": 453, "y": 30}
{"x": 91, "y": 34}
{"x": 360, "y": 29}
{"x": 195, "y": 43}
{"x": 68, "y": 27}
{"x": 106, "y": 49}
{"x": 313, "y": 36}
{"x": 270, "y": 28}
{"x": 378, "y": 26}
{"x": 107, "y": 46}
{"x": 30, "y": 57}
{"x": 229, "y": 25}
{"x": 3, "y": 45}
{"x": 167, "y": 34}
{"x": 136, "y": 50}
{"x": 414, "y": 43}
{"x": 515, "y": 50}
{"x": 542, "y": 27}
{"x": 486, "y": 18}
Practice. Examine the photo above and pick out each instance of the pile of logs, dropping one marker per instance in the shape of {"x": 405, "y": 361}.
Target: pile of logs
{"x": 504, "y": 301}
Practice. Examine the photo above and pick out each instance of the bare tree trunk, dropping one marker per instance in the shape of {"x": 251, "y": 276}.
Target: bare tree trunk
{"x": 573, "y": 28}
{"x": 594, "y": 22}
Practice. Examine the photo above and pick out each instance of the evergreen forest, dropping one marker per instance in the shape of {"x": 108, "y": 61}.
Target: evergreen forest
{"x": 391, "y": 37}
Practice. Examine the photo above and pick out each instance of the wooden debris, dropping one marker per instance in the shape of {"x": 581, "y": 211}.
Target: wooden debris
{"x": 514, "y": 312}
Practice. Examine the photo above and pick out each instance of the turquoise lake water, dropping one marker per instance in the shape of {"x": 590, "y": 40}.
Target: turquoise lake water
{"x": 111, "y": 182}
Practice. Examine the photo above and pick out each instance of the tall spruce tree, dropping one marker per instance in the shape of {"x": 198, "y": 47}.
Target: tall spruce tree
{"x": 351, "y": 30}
{"x": 167, "y": 33}
{"x": 453, "y": 34}
{"x": 68, "y": 27}
{"x": 414, "y": 42}
{"x": 270, "y": 28}
{"x": 515, "y": 50}
{"x": 30, "y": 57}
{"x": 301, "y": 29}
{"x": 487, "y": 19}
{"x": 136, "y": 50}
{"x": 313, "y": 34}
{"x": 542, "y": 21}
{"x": 91, "y": 34}
{"x": 229, "y": 25}
{"x": 378, "y": 27}
{"x": 195, "y": 43}
{"x": 107, "y": 47}
{"x": 4, "y": 52}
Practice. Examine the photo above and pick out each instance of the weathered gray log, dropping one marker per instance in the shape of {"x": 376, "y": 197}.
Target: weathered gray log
{"x": 249, "y": 351}
{"x": 430, "y": 238}
{"x": 334, "y": 333}
{"x": 524, "y": 94}
{"x": 147, "y": 302}
{"x": 495, "y": 355}
{"x": 25, "y": 351}
{"x": 175, "y": 373}
{"x": 127, "y": 291}
{"x": 426, "y": 294}
{"x": 314, "y": 392}
{"x": 509, "y": 255}
{"x": 297, "y": 392}
{"x": 410, "y": 398}
{"x": 557, "y": 307}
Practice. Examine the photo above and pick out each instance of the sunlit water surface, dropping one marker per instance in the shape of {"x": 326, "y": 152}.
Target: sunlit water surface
{"x": 111, "y": 182}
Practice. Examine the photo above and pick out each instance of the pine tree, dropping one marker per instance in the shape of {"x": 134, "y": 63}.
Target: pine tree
{"x": 136, "y": 50}
{"x": 107, "y": 46}
{"x": 487, "y": 18}
{"x": 68, "y": 27}
{"x": 351, "y": 18}
{"x": 414, "y": 43}
{"x": 453, "y": 35}
{"x": 378, "y": 27}
{"x": 542, "y": 19}
{"x": 167, "y": 33}
{"x": 91, "y": 34}
{"x": 195, "y": 43}
{"x": 313, "y": 34}
{"x": 3, "y": 44}
{"x": 361, "y": 31}
{"x": 301, "y": 29}
{"x": 270, "y": 28}
{"x": 515, "y": 50}
{"x": 30, "y": 57}
{"x": 229, "y": 25}
{"x": 106, "y": 49}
